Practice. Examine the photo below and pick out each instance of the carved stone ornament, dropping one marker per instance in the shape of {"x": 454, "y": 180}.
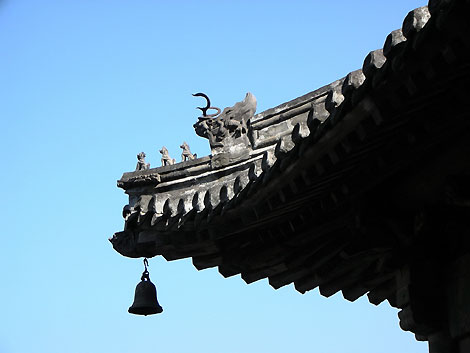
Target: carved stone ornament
{"x": 186, "y": 155}
{"x": 228, "y": 129}
{"x": 166, "y": 159}
{"x": 141, "y": 165}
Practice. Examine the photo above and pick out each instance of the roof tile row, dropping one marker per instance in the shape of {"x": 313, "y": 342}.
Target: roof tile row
{"x": 244, "y": 179}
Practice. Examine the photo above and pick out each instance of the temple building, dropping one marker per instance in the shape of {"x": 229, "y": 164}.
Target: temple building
{"x": 361, "y": 186}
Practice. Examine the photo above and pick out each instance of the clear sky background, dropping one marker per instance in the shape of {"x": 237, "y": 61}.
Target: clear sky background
{"x": 84, "y": 86}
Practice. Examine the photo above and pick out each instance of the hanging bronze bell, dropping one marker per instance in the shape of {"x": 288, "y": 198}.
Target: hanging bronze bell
{"x": 145, "y": 299}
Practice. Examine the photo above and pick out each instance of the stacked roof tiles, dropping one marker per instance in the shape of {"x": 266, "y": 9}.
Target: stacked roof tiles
{"x": 313, "y": 198}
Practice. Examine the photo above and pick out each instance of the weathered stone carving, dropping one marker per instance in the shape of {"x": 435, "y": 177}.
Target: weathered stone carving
{"x": 141, "y": 165}
{"x": 166, "y": 159}
{"x": 186, "y": 155}
{"x": 229, "y": 128}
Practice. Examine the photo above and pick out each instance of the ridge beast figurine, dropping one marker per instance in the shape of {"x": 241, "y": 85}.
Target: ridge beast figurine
{"x": 228, "y": 128}
{"x": 186, "y": 155}
{"x": 166, "y": 159}
{"x": 141, "y": 164}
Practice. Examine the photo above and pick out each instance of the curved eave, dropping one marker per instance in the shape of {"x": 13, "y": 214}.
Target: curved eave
{"x": 293, "y": 216}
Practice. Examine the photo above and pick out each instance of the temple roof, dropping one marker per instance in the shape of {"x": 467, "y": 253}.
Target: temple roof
{"x": 303, "y": 200}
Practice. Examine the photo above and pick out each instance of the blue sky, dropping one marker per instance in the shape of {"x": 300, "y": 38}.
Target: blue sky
{"x": 86, "y": 85}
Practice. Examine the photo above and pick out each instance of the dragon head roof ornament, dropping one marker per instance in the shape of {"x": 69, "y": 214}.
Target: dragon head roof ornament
{"x": 226, "y": 130}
